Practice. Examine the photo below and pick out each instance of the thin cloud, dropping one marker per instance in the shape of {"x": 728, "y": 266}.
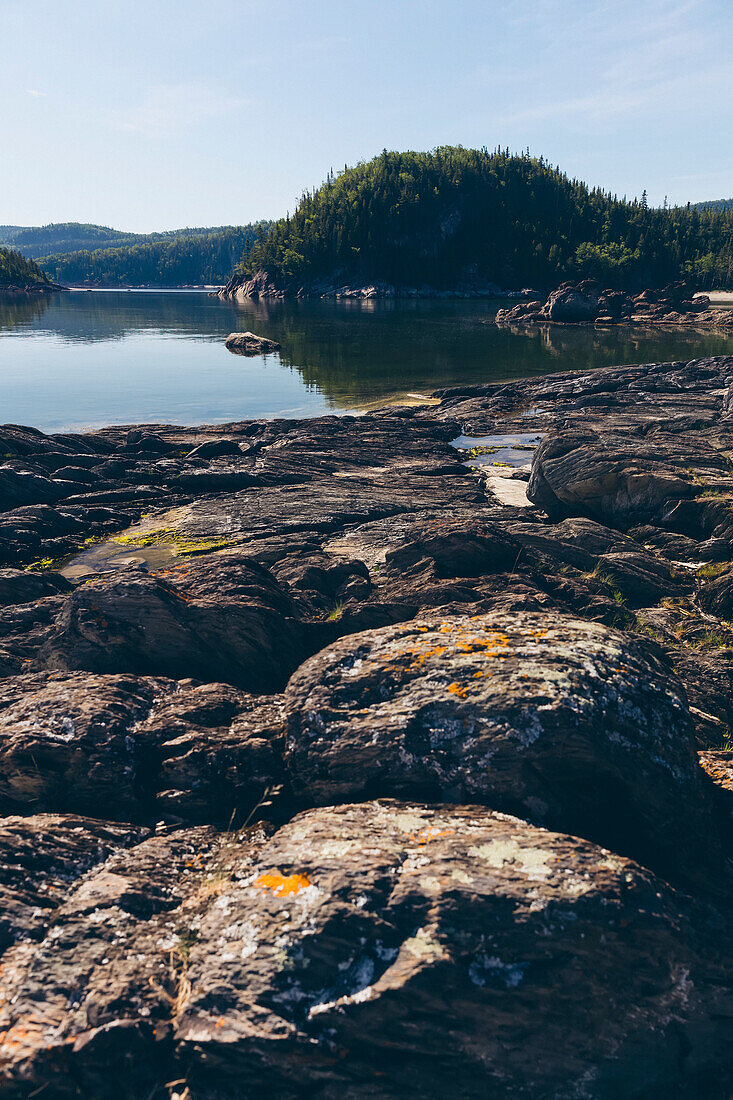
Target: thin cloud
{"x": 33, "y": 92}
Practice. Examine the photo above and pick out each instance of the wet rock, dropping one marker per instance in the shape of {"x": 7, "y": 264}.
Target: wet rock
{"x": 557, "y": 720}
{"x": 246, "y": 343}
{"x": 394, "y": 949}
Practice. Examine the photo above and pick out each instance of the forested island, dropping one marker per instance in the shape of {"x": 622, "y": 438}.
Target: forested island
{"x": 19, "y": 275}
{"x": 467, "y": 218}
{"x": 92, "y": 255}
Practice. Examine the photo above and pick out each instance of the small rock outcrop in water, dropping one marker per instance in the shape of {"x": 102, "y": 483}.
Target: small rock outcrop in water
{"x": 246, "y": 343}
{"x": 587, "y": 303}
{"x": 325, "y": 771}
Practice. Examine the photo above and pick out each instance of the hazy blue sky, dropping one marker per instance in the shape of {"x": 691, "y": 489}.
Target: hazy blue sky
{"x": 147, "y": 114}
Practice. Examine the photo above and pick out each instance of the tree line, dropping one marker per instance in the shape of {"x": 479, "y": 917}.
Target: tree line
{"x": 198, "y": 257}
{"x": 16, "y": 270}
{"x": 458, "y": 215}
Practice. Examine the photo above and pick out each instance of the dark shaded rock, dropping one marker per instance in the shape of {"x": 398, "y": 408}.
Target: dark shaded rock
{"x": 19, "y": 488}
{"x": 390, "y": 949}
{"x": 20, "y": 586}
{"x": 136, "y": 748}
{"x": 456, "y": 550}
{"x": 226, "y": 620}
{"x": 557, "y": 720}
{"x": 716, "y": 595}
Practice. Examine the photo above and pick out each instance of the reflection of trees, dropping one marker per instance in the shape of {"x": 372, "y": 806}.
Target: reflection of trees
{"x": 88, "y": 317}
{"x": 21, "y": 309}
{"x": 353, "y": 351}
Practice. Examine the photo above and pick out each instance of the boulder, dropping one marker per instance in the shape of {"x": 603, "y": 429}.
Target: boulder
{"x": 580, "y": 473}
{"x": 570, "y": 305}
{"x": 557, "y": 720}
{"x": 213, "y": 620}
{"x": 390, "y": 949}
{"x": 246, "y": 343}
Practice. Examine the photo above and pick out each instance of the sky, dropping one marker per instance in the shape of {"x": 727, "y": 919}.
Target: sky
{"x": 157, "y": 114}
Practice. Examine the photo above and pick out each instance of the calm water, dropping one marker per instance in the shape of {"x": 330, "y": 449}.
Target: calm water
{"x": 87, "y": 359}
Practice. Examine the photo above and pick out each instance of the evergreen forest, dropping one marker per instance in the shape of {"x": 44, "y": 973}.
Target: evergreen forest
{"x": 453, "y": 216}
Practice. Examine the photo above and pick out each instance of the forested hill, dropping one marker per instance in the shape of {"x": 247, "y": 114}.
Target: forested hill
{"x": 59, "y": 238}
{"x": 715, "y": 204}
{"x": 17, "y": 271}
{"x": 36, "y": 241}
{"x": 192, "y": 257}
{"x": 452, "y": 215}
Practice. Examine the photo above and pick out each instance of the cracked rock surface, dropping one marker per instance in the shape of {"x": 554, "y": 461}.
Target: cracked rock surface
{"x": 373, "y": 757}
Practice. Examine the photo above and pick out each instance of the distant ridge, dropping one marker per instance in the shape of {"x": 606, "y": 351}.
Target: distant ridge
{"x": 96, "y": 255}
{"x": 715, "y": 204}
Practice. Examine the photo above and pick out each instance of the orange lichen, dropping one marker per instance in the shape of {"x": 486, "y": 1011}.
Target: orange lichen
{"x": 282, "y": 886}
{"x": 431, "y": 833}
{"x": 456, "y": 689}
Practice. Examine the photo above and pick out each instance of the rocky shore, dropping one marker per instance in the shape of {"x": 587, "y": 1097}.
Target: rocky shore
{"x": 374, "y": 757}
{"x": 261, "y": 285}
{"x": 587, "y": 303}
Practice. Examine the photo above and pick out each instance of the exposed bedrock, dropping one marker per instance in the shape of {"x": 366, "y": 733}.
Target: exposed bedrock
{"x": 379, "y": 949}
{"x": 559, "y": 721}
{"x": 268, "y": 631}
{"x": 136, "y": 748}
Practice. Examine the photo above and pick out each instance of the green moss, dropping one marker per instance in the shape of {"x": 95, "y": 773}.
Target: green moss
{"x": 714, "y": 569}
{"x": 178, "y": 543}
{"x": 44, "y": 565}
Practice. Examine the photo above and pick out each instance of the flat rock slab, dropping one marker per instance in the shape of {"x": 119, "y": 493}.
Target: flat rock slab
{"x": 558, "y": 720}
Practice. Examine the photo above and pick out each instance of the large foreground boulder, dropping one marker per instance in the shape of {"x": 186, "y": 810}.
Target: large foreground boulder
{"x": 558, "y": 720}
{"x": 374, "y": 950}
{"x": 391, "y": 950}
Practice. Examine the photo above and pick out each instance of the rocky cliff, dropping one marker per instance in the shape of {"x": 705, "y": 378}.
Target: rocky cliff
{"x": 375, "y": 756}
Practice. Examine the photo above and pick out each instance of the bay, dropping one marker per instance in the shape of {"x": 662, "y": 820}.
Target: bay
{"x": 84, "y": 359}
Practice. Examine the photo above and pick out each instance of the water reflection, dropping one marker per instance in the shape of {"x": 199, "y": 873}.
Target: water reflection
{"x": 80, "y": 358}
